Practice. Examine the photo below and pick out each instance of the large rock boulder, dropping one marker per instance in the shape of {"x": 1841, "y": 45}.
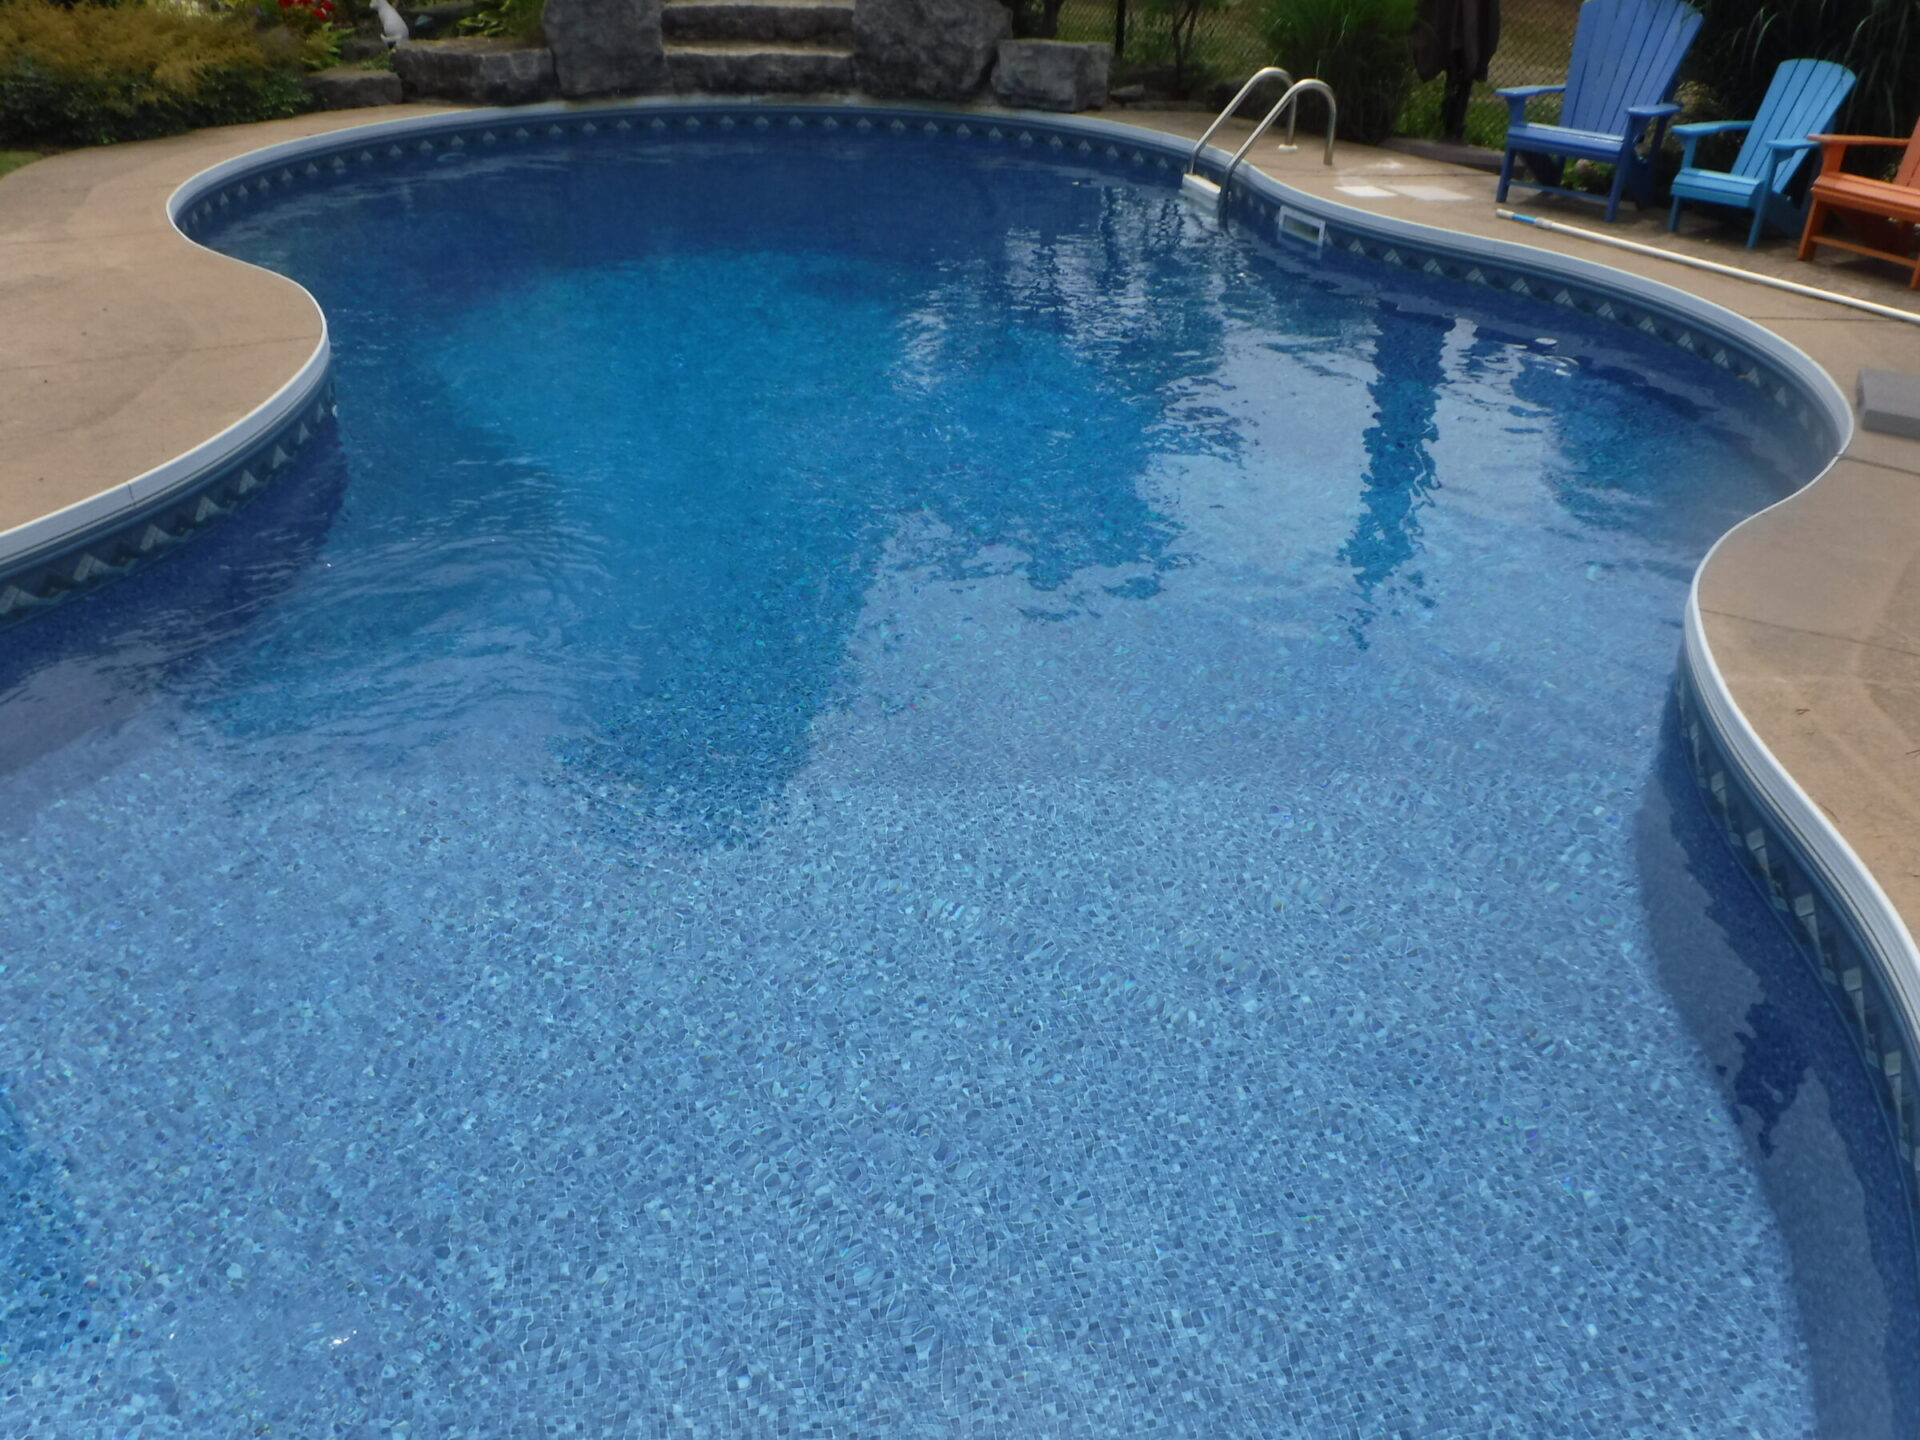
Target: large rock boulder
{"x": 1051, "y": 75}
{"x": 926, "y": 49}
{"x": 478, "y": 70}
{"x": 605, "y": 47}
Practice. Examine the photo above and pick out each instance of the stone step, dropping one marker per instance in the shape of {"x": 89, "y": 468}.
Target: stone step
{"x": 748, "y": 67}
{"x": 347, "y": 87}
{"x": 828, "y": 22}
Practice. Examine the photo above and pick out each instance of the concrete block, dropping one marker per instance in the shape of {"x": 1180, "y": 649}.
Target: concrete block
{"x": 1890, "y": 402}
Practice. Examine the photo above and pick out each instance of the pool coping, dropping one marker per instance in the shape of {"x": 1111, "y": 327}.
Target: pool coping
{"x": 1854, "y": 927}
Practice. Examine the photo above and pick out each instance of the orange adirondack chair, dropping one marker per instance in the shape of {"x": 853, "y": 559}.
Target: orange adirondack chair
{"x": 1885, "y": 211}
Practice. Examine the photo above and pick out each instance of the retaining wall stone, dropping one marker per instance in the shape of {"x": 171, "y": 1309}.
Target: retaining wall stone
{"x": 1052, "y": 74}
{"x": 926, "y": 49}
{"x": 480, "y": 70}
{"x": 606, "y": 47}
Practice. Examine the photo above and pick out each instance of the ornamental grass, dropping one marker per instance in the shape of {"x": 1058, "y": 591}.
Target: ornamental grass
{"x": 91, "y": 74}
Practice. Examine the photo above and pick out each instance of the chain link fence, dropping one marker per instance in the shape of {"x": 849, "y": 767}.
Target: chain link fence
{"x": 1536, "y": 37}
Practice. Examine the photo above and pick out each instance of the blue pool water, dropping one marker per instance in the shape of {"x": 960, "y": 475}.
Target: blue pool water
{"x": 880, "y": 789}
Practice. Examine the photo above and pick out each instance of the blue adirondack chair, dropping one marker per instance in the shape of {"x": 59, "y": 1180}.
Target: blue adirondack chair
{"x": 1626, "y": 54}
{"x": 1804, "y": 97}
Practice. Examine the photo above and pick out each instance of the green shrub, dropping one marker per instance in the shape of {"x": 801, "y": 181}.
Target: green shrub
{"x": 1742, "y": 42}
{"x": 508, "y": 19}
{"x": 1173, "y": 32}
{"x": 91, "y": 74}
{"x": 1035, "y": 19}
{"x": 1362, "y": 48}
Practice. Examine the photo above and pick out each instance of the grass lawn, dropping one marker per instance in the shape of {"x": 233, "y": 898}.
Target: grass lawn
{"x": 14, "y": 159}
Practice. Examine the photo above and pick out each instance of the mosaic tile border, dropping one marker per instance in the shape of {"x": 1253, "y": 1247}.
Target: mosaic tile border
{"x": 1844, "y": 925}
{"x": 1703, "y": 331}
{"x": 115, "y": 534}
{"x": 1601, "y": 303}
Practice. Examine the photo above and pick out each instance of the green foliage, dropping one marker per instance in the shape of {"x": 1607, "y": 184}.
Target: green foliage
{"x": 1180, "y": 27}
{"x": 508, "y": 19}
{"x": 1035, "y": 19}
{"x": 1486, "y": 117}
{"x": 1362, "y": 48}
{"x": 89, "y": 74}
{"x": 1742, "y": 42}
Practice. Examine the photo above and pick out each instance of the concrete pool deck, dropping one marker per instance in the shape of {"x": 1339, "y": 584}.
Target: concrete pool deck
{"x": 127, "y": 345}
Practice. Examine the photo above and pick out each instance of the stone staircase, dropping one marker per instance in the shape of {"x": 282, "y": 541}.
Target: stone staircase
{"x": 758, "y": 47}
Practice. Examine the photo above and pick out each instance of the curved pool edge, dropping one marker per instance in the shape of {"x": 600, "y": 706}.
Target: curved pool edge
{"x": 1840, "y": 902}
{"x": 1843, "y": 921}
{"x": 104, "y": 536}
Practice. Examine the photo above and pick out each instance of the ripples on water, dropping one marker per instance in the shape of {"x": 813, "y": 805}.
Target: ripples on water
{"x": 882, "y": 791}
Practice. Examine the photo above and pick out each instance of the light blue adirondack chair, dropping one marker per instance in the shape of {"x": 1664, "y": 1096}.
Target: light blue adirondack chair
{"x": 1626, "y": 54}
{"x": 1804, "y": 97}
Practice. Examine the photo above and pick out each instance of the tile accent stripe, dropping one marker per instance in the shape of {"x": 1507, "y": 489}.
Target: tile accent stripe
{"x": 100, "y": 539}
{"x": 1829, "y": 931}
{"x": 1704, "y": 331}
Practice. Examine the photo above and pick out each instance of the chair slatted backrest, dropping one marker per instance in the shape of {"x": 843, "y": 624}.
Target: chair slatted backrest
{"x": 1625, "y": 52}
{"x": 1909, "y": 172}
{"x": 1804, "y": 97}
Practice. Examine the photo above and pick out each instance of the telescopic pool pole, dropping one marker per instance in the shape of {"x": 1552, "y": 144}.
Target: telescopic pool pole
{"x": 1791, "y": 287}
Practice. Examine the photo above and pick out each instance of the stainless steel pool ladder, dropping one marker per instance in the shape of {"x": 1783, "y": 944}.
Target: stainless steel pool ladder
{"x": 1195, "y": 184}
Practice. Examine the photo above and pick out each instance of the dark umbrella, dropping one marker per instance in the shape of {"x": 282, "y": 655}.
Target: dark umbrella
{"x": 1458, "y": 37}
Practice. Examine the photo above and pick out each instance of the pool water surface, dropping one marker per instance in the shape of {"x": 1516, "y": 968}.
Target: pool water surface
{"x": 883, "y": 789}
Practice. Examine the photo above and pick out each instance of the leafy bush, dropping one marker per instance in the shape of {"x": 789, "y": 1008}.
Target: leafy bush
{"x": 1362, "y": 48}
{"x": 509, "y": 19}
{"x": 1035, "y": 19}
{"x": 90, "y": 74}
{"x": 1742, "y": 42}
{"x": 1178, "y": 31}
{"x": 316, "y": 26}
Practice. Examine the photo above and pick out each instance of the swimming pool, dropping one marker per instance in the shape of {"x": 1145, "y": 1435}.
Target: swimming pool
{"x": 971, "y": 809}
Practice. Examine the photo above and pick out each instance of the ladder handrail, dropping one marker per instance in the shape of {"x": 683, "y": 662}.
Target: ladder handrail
{"x": 1193, "y": 160}
{"x": 1316, "y": 87}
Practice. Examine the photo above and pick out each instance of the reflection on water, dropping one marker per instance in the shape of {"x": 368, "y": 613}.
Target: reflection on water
{"x": 1770, "y": 1070}
{"x": 909, "y": 795}
{"x": 1409, "y": 369}
{"x": 735, "y": 386}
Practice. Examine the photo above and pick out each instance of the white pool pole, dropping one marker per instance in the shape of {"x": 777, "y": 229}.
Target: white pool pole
{"x": 1634, "y": 245}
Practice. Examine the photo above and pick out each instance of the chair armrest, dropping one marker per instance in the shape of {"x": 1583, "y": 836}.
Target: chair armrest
{"x": 1517, "y": 97}
{"x": 1691, "y": 135}
{"x": 1833, "y": 148}
{"x": 1640, "y": 116}
{"x": 1784, "y": 151}
{"x": 1711, "y": 127}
